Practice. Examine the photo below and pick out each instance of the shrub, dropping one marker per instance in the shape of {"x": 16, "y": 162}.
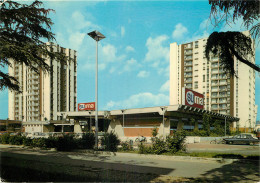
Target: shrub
{"x": 154, "y": 132}
{"x": 206, "y": 123}
{"x": 158, "y": 146}
{"x": 142, "y": 149}
{"x": 176, "y": 142}
{"x": 5, "y": 138}
{"x": 66, "y": 143}
{"x": 126, "y": 146}
{"x": 39, "y": 142}
{"x": 27, "y": 141}
{"x": 87, "y": 141}
{"x": 110, "y": 141}
{"x": 16, "y": 140}
{"x": 51, "y": 142}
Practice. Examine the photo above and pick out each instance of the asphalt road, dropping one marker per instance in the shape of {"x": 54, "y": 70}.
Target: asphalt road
{"x": 122, "y": 167}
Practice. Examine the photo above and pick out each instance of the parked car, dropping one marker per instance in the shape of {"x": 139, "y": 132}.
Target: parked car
{"x": 38, "y": 135}
{"x": 242, "y": 139}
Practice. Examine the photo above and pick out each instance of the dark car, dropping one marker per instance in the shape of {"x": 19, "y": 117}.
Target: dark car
{"x": 241, "y": 139}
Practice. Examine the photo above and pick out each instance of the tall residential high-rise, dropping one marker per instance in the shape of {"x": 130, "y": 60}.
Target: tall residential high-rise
{"x": 234, "y": 96}
{"x": 44, "y": 94}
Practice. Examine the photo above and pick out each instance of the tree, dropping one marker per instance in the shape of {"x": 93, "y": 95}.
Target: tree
{"x": 229, "y": 44}
{"x": 23, "y": 31}
{"x": 206, "y": 123}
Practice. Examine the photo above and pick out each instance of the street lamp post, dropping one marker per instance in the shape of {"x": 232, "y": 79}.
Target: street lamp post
{"x": 225, "y": 126}
{"x": 97, "y": 36}
{"x": 6, "y": 128}
{"x": 90, "y": 122}
{"x": 163, "y": 110}
{"x": 123, "y": 122}
{"x": 62, "y": 122}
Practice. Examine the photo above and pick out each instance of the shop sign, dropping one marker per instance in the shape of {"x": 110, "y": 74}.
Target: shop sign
{"x": 86, "y": 106}
{"x": 192, "y": 98}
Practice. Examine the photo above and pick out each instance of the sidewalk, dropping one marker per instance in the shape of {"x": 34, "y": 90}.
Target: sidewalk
{"x": 224, "y": 148}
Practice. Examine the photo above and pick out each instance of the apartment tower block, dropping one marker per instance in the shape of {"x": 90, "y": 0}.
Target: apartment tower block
{"x": 234, "y": 96}
{"x": 44, "y": 94}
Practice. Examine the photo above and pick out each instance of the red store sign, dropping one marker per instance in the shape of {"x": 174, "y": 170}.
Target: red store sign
{"x": 86, "y": 106}
{"x": 192, "y": 98}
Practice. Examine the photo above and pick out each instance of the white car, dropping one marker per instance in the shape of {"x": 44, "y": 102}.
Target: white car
{"x": 38, "y": 135}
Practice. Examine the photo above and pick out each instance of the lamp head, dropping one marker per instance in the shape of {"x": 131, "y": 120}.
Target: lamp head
{"x": 96, "y": 35}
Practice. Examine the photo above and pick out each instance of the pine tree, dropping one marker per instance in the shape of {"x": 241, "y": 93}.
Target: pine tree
{"x": 229, "y": 44}
{"x": 24, "y": 29}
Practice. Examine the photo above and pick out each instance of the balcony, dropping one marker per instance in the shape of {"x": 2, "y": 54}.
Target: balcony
{"x": 187, "y": 69}
{"x": 188, "y": 46}
{"x": 222, "y": 83}
{"x": 221, "y": 96}
{"x": 214, "y": 71}
{"x": 187, "y": 74}
{"x": 223, "y": 102}
{"x": 188, "y": 57}
{"x": 214, "y": 83}
{"x": 188, "y": 63}
{"x": 188, "y": 52}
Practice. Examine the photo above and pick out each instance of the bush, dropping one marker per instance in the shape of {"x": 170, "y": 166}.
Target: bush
{"x": 66, "y": 143}
{"x": 51, "y": 142}
{"x": 126, "y": 146}
{"x": 39, "y": 142}
{"x": 158, "y": 146}
{"x": 176, "y": 142}
{"x": 16, "y": 140}
{"x": 110, "y": 141}
{"x": 27, "y": 141}
{"x": 5, "y": 138}
{"x": 142, "y": 149}
{"x": 154, "y": 132}
{"x": 87, "y": 141}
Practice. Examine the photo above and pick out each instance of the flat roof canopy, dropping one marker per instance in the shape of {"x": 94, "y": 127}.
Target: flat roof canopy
{"x": 175, "y": 111}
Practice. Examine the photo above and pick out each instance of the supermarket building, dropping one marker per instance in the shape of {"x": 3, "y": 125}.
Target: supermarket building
{"x": 129, "y": 123}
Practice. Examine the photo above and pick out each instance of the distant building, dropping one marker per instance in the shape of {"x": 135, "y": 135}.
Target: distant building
{"x": 44, "y": 94}
{"x": 222, "y": 94}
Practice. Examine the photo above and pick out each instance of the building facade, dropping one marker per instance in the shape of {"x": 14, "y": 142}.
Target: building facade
{"x": 44, "y": 94}
{"x": 234, "y": 96}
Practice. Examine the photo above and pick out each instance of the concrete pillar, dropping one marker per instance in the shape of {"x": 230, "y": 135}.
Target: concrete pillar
{"x": 196, "y": 125}
{"x": 77, "y": 127}
{"x": 180, "y": 124}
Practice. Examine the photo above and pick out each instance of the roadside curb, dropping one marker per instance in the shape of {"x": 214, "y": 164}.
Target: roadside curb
{"x": 162, "y": 157}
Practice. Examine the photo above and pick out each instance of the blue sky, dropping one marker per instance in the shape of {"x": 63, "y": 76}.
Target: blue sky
{"x": 134, "y": 57}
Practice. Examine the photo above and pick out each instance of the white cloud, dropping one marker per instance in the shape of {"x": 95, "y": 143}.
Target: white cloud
{"x": 165, "y": 87}
{"x": 179, "y": 31}
{"x": 145, "y": 99}
{"x": 107, "y": 56}
{"x": 143, "y": 74}
{"x": 129, "y": 49}
{"x": 130, "y": 65}
{"x": 109, "y": 52}
{"x": 122, "y": 31}
{"x": 156, "y": 51}
{"x": 72, "y": 33}
{"x": 204, "y": 24}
